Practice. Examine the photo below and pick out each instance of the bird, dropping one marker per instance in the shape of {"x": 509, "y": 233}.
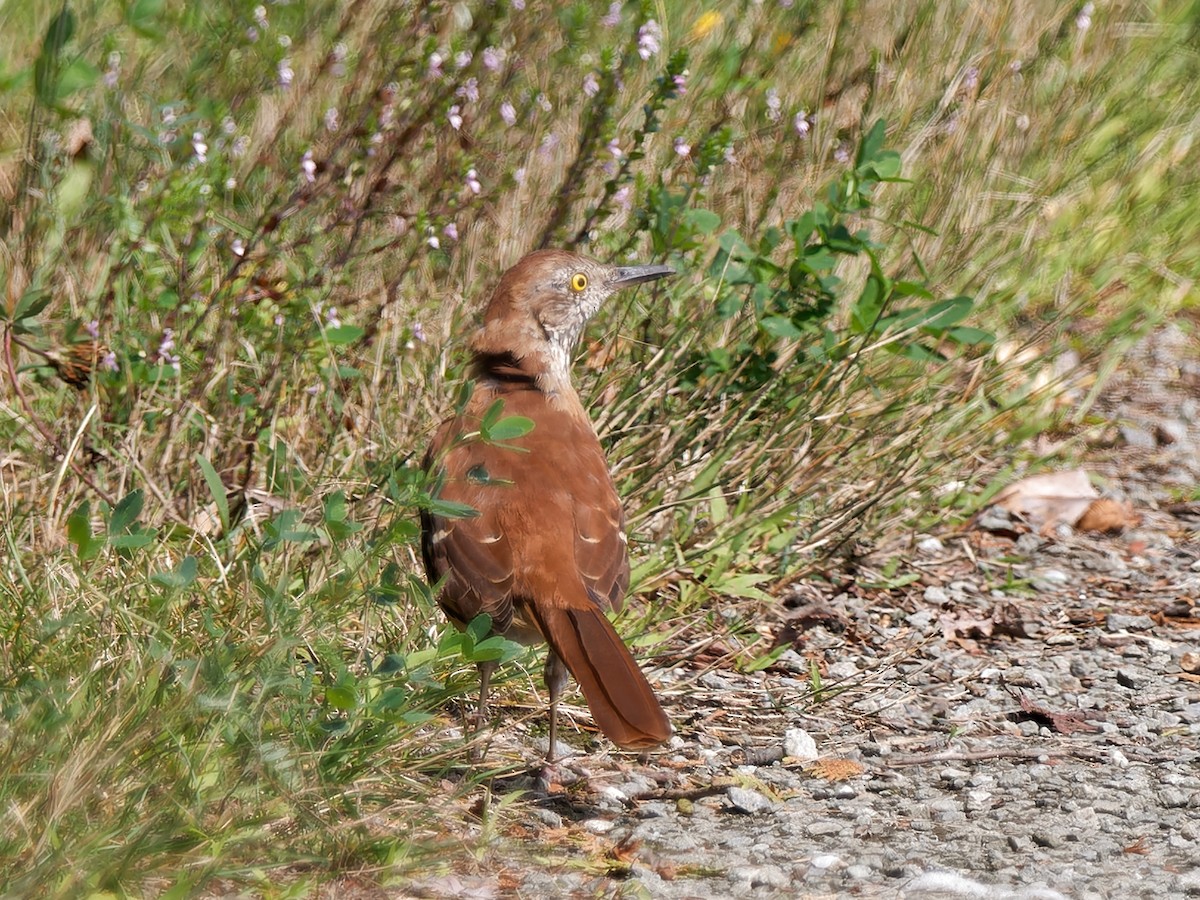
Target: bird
{"x": 545, "y": 553}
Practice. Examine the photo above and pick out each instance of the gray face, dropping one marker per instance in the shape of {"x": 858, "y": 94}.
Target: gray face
{"x": 575, "y": 292}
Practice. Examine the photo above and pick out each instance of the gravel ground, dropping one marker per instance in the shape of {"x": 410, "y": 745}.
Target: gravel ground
{"x": 1021, "y": 721}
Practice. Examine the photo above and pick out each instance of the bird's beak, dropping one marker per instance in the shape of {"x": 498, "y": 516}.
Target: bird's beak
{"x": 627, "y": 275}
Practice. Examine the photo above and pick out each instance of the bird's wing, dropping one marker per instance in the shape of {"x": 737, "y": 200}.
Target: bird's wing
{"x": 601, "y": 554}
{"x": 472, "y": 553}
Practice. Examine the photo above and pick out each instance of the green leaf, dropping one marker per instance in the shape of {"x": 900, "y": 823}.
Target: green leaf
{"x": 73, "y": 190}
{"x": 78, "y": 75}
{"x": 767, "y": 660}
{"x": 508, "y": 428}
{"x": 964, "y": 334}
{"x": 887, "y": 166}
{"x": 449, "y": 509}
{"x": 335, "y": 507}
{"x": 946, "y": 313}
{"x": 911, "y": 289}
{"x": 780, "y": 326}
{"x": 872, "y": 144}
{"x": 479, "y": 627}
{"x": 32, "y": 302}
{"x": 45, "y": 69}
{"x": 134, "y": 540}
{"x": 216, "y": 488}
{"x": 869, "y": 304}
{"x": 141, "y": 17}
{"x": 79, "y": 532}
{"x": 491, "y": 415}
{"x": 702, "y": 221}
{"x": 818, "y": 258}
{"x": 343, "y": 334}
{"x": 341, "y": 697}
{"x": 336, "y": 512}
{"x": 125, "y": 513}
{"x": 182, "y": 576}
{"x": 495, "y": 648}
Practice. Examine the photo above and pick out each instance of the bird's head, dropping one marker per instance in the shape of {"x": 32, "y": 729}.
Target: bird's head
{"x": 543, "y": 302}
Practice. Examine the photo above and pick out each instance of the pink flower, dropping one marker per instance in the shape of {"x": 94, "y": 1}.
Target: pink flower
{"x": 649, "y": 36}
{"x": 468, "y": 90}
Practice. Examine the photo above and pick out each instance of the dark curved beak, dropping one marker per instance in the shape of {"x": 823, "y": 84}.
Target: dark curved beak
{"x": 627, "y": 275}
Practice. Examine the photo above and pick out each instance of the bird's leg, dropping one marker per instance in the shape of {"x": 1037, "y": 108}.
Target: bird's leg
{"x": 556, "y": 679}
{"x": 485, "y": 679}
{"x": 552, "y": 772}
{"x": 477, "y": 719}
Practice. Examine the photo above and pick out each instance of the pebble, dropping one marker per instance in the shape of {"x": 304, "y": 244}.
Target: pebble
{"x": 748, "y": 801}
{"x": 1120, "y": 622}
{"x": 823, "y": 828}
{"x": 547, "y": 817}
{"x": 799, "y": 744}
{"x": 1131, "y": 678}
{"x": 1171, "y": 431}
{"x": 1138, "y": 437}
{"x": 995, "y": 518}
{"x": 934, "y": 595}
{"x": 1172, "y": 798}
{"x": 922, "y": 619}
{"x": 930, "y": 546}
{"x": 768, "y": 876}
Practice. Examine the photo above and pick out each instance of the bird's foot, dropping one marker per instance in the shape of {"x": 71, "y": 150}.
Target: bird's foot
{"x": 555, "y": 776}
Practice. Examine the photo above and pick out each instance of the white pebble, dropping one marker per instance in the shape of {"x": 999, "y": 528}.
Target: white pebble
{"x": 799, "y": 744}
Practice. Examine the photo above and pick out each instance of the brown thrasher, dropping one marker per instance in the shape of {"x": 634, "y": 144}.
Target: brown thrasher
{"x": 546, "y": 555}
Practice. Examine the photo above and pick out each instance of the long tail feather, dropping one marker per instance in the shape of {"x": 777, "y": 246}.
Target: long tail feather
{"x": 621, "y": 700}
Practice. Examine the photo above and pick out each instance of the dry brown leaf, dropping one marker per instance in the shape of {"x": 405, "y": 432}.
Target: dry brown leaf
{"x": 1062, "y": 722}
{"x": 1108, "y": 516}
{"x": 1049, "y": 499}
{"x": 836, "y": 769}
{"x": 962, "y": 626}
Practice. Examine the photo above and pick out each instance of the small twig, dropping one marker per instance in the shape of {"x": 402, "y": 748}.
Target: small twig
{"x": 756, "y": 756}
{"x": 718, "y": 785}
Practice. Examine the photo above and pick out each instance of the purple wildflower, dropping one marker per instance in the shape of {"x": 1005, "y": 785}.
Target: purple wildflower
{"x": 649, "y": 38}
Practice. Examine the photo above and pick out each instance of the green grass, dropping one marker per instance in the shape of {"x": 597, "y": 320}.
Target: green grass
{"x": 218, "y": 661}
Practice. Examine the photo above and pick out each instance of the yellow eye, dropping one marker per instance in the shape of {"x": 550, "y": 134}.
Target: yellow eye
{"x": 579, "y": 282}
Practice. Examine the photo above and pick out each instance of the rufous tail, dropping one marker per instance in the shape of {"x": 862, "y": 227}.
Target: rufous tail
{"x": 621, "y": 700}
